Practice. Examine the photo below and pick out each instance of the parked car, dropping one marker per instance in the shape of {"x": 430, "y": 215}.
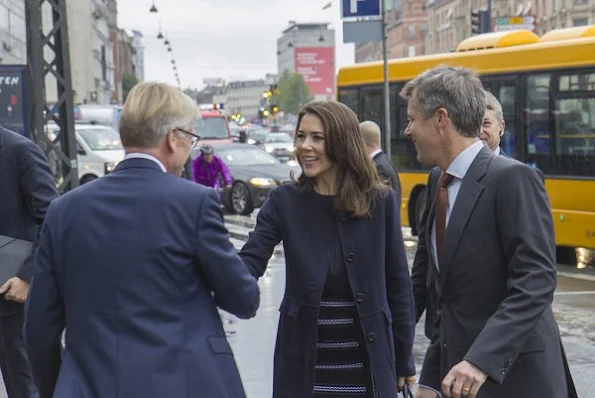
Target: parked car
{"x": 280, "y": 145}
{"x": 255, "y": 174}
{"x": 99, "y": 149}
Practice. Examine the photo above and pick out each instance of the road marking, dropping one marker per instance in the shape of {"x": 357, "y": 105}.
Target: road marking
{"x": 577, "y": 276}
{"x": 577, "y": 293}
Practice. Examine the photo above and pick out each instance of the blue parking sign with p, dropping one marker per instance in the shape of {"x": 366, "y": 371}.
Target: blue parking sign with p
{"x": 360, "y": 8}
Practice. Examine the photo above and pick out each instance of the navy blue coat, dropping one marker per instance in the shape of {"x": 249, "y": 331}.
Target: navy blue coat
{"x": 378, "y": 274}
{"x": 133, "y": 266}
{"x": 26, "y": 190}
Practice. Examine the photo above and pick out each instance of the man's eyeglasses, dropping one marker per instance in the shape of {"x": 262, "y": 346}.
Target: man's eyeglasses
{"x": 193, "y": 137}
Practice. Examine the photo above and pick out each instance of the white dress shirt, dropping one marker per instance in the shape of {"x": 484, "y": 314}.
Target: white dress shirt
{"x": 497, "y": 151}
{"x": 458, "y": 169}
{"x": 139, "y": 155}
{"x": 376, "y": 152}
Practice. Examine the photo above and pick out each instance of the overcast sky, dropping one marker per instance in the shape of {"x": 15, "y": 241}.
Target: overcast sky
{"x": 233, "y": 39}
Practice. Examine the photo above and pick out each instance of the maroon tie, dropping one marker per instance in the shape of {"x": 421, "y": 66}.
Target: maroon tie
{"x": 441, "y": 202}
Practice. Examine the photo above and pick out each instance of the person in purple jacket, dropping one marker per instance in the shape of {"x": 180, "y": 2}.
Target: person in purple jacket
{"x": 208, "y": 167}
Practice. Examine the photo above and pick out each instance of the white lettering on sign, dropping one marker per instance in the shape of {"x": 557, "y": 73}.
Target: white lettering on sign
{"x": 353, "y": 6}
{"x": 9, "y": 80}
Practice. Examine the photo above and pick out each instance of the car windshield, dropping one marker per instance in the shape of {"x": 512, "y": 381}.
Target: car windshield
{"x": 212, "y": 128}
{"x": 101, "y": 139}
{"x": 245, "y": 156}
{"x": 278, "y": 137}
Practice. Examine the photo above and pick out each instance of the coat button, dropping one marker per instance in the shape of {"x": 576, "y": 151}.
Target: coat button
{"x": 371, "y": 337}
{"x": 350, "y": 257}
{"x": 359, "y": 298}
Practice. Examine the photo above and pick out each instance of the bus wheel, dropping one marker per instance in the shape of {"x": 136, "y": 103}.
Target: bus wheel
{"x": 420, "y": 205}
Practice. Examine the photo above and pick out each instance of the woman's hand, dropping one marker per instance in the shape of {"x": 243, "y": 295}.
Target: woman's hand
{"x": 401, "y": 382}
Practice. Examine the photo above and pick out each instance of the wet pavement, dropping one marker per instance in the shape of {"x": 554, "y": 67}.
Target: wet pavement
{"x": 253, "y": 341}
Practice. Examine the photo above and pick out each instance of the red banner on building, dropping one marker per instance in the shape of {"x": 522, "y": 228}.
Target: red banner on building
{"x": 317, "y": 66}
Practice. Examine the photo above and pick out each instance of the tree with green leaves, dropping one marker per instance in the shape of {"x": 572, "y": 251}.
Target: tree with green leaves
{"x": 293, "y": 92}
{"x": 129, "y": 80}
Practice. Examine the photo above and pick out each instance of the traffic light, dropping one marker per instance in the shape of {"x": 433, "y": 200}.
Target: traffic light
{"x": 274, "y": 109}
{"x": 480, "y": 22}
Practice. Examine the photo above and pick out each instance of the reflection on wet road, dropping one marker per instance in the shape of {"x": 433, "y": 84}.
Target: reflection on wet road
{"x": 254, "y": 340}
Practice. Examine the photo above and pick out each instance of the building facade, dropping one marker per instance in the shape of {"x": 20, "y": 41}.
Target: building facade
{"x": 309, "y": 49}
{"x": 449, "y": 20}
{"x": 407, "y": 26}
{"x": 138, "y": 55}
{"x": 13, "y": 32}
{"x": 244, "y": 97}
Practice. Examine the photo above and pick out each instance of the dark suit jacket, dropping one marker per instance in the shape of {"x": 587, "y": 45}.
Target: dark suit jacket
{"x": 424, "y": 291}
{"x": 378, "y": 273}
{"x": 26, "y": 190}
{"x": 496, "y": 283}
{"x": 388, "y": 173}
{"x": 133, "y": 266}
{"x": 187, "y": 172}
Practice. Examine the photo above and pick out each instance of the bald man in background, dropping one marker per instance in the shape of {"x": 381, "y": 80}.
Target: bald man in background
{"x": 386, "y": 170}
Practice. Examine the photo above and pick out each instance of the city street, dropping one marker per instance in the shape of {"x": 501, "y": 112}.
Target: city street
{"x": 253, "y": 341}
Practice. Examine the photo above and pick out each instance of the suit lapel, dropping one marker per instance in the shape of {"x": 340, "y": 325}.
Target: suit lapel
{"x": 469, "y": 193}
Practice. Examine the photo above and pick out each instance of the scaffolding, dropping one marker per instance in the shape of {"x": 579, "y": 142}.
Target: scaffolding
{"x": 48, "y": 60}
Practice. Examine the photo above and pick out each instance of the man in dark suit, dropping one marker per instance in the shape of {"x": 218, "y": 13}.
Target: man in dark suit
{"x": 386, "y": 170}
{"x": 187, "y": 171}
{"x": 494, "y": 126}
{"x": 133, "y": 266}
{"x": 26, "y": 190}
{"x": 491, "y": 264}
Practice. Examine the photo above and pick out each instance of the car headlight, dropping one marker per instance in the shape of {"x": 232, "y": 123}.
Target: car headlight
{"x": 290, "y": 148}
{"x": 251, "y": 141}
{"x": 293, "y": 163}
{"x": 109, "y": 167}
{"x": 262, "y": 182}
{"x": 269, "y": 149}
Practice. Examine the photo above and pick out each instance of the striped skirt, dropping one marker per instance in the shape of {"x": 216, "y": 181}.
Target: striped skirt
{"x": 342, "y": 364}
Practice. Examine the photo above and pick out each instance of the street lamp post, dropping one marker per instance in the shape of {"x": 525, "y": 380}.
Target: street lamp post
{"x": 387, "y": 126}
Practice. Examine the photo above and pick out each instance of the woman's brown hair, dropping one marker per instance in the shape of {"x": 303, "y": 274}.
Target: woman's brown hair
{"x": 358, "y": 185}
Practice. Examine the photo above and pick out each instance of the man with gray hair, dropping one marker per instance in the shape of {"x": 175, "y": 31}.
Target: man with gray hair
{"x": 385, "y": 168}
{"x": 489, "y": 265}
{"x": 133, "y": 266}
{"x": 493, "y": 125}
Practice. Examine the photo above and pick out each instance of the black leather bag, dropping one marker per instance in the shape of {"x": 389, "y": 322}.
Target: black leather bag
{"x": 13, "y": 253}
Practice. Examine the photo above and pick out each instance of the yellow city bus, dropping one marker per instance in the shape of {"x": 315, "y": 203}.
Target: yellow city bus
{"x": 547, "y": 89}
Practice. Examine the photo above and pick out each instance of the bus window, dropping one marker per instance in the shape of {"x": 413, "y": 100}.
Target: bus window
{"x": 575, "y": 128}
{"x": 507, "y": 97}
{"x": 403, "y": 151}
{"x": 348, "y": 96}
{"x": 537, "y": 120}
{"x": 577, "y": 82}
{"x": 373, "y": 105}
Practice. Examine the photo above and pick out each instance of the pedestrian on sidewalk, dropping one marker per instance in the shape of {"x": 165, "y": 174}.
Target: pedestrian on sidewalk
{"x": 26, "y": 189}
{"x": 485, "y": 267}
{"x": 347, "y": 317}
{"x": 134, "y": 266}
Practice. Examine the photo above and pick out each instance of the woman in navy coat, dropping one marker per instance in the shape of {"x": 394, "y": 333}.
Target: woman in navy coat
{"x": 347, "y": 317}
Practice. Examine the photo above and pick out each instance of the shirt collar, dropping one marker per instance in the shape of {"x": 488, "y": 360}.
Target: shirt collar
{"x": 376, "y": 152}
{"x": 139, "y": 155}
{"x": 459, "y": 167}
{"x": 497, "y": 151}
